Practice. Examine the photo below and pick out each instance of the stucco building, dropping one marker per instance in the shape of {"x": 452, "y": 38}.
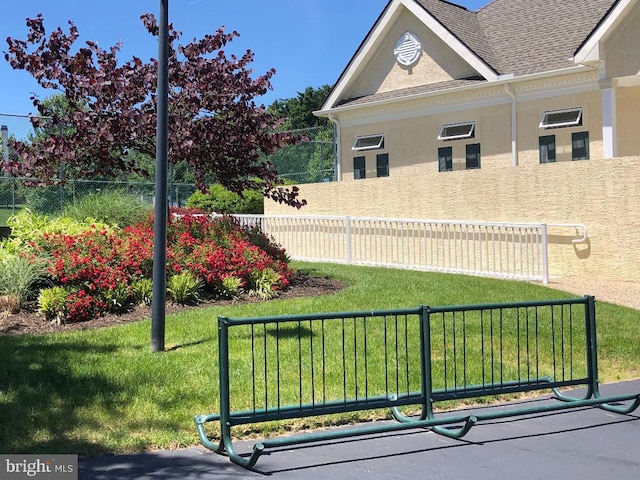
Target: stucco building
{"x": 524, "y": 111}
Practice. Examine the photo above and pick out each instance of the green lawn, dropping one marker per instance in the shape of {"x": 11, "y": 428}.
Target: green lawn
{"x": 100, "y": 391}
{"x": 5, "y": 214}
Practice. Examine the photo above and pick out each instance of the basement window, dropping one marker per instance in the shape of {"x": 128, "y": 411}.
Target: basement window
{"x": 568, "y": 117}
{"x": 457, "y": 131}
{"x": 368, "y": 142}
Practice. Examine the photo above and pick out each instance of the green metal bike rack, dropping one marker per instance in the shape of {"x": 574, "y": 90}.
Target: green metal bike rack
{"x": 296, "y": 366}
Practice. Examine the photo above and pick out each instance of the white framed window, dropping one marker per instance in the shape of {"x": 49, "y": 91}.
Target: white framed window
{"x": 568, "y": 117}
{"x": 368, "y": 142}
{"x": 457, "y": 131}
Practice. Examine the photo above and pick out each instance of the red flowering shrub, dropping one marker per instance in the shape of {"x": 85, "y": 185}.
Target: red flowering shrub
{"x": 100, "y": 266}
{"x": 81, "y": 306}
{"x": 137, "y": 251}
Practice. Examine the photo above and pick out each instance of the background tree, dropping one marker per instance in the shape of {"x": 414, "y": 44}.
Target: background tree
{"x": 297, "y": 112}
{"x": 215, "y": 124}
{"x": 313, "y": 159}
{"x": 220, "y": 200}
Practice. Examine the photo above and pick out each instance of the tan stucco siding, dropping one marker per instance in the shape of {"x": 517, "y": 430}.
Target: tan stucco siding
{"x": 627, "y": 123}
{"x": 602, "y": 194}
{"x": 384, "y": 74}
{"x": 622, "y": 55}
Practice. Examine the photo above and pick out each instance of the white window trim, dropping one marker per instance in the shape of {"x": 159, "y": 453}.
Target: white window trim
{"x": 379, "y": 145}
{"x": 544, "y": 124}
{"x": 469, "y": 134}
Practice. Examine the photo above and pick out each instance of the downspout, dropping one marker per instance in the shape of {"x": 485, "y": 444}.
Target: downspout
{"x": 514, "y": 126}
{"x": 338, "y": 149}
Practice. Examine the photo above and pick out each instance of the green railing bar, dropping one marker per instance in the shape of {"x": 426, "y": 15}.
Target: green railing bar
{"x": 328, "y": 408}
{"x": 383, "y": 401}
{"x": 320, "y": 316}
{"x": 505, "y": 306}
{"x": 514, "y": 386}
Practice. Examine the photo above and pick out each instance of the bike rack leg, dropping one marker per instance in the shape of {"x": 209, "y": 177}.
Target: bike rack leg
{"x": 200, "y": 420}
{"x": 402, "y": 418}
{"x": 459, "y": 433}
{"x": 621, "y": 409}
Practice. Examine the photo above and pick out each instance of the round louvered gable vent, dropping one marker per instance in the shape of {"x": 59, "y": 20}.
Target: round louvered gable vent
{"x": 408, "y": 49}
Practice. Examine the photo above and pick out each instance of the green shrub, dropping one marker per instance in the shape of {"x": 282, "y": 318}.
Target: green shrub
{"x": 231, "y": 286}
{"x": 18, "y": 277}
{"x": 51, "y": 303}
{"x": 12, "y": 246}
{"x": 142, "y": 291}
{"x": 184, "y": 288}
{"x": 118, "y": 298}
{"x": 221, "y": 200}
{"x": 114, "y": 207}
{"x": 46, "y": 200}
{"x": 263, "y": 283}
{"x": 27, "y": 226}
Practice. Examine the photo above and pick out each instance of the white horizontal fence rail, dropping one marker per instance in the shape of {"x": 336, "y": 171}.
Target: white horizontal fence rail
{"x": 504, "y": 250}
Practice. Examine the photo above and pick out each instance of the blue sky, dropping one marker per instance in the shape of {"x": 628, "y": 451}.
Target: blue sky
{"x": 308, "y": 42}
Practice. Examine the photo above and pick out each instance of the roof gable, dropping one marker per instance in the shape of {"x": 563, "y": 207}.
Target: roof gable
{"x": 589, "y": 48}
{"x": 377, "y": 35}
{"x": 436, "y": 62}
{"x": 506, "y": 38}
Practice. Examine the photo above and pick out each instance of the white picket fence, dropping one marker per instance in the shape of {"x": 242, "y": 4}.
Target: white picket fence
{"x": 493, "y": 249}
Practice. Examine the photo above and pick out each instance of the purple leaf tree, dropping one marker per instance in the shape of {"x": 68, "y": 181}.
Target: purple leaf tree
{"x": 214, "y": 122}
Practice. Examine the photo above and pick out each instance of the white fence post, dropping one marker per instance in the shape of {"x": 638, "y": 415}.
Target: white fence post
{"x": 347, "y": 221}
{"x": 545, "y": 254}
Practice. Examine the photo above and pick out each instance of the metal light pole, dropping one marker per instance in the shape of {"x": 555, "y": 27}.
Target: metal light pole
{"x": 160, "y": 223}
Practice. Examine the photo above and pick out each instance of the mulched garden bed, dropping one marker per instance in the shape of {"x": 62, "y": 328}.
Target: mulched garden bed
{"x": 30, "y": 322}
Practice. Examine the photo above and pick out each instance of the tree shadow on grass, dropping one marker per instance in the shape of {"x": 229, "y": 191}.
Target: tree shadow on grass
{"x": 44, "y": 400}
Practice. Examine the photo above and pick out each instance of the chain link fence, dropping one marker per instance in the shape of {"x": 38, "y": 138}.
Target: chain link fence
{"x": 15, "y": 195}
{"x": 17, "y": 127}
{"x": 310, "y": 161}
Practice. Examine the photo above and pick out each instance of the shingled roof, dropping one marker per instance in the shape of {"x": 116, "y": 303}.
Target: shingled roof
{"x": 517, "y": 37}
{"x": 522, "y": 36}
{"x": 531, "y": 36}
{"x": 409, "y": 91}
{"x": 465, "y": 25}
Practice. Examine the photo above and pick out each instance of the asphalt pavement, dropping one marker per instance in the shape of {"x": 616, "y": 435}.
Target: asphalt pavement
{"x": 585, "y": 444}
